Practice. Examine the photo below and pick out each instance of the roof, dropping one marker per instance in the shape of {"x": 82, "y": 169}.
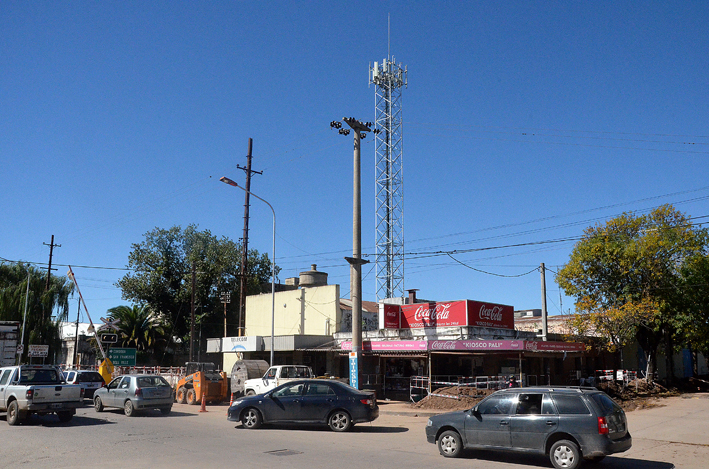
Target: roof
{"x": 368, "y": 306}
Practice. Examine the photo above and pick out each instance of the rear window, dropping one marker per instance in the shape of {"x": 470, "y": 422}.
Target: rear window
{"x": 569, "y": 404}
{"x": 151, "y": 381}
{"x": 91, "y": 377}
{"x": 605, "y": 403}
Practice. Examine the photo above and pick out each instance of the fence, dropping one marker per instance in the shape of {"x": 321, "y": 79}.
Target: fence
{"x": 420, "y": 387}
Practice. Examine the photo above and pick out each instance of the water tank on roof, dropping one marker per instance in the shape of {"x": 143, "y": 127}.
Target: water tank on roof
{"x": 313, "y": 278}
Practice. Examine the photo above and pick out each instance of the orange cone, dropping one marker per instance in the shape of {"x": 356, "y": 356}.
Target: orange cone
{"x": 231, "y": 401}
{"x": 204, "y": 404}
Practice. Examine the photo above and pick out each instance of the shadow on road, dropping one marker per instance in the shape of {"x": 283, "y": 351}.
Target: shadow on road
{"x": 361, "y": 428}
{"x": 52, "y": 421}
{"x": 610, "y": 462}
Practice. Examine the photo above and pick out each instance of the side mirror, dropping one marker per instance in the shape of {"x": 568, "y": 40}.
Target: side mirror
{"x": 475, "y": 411}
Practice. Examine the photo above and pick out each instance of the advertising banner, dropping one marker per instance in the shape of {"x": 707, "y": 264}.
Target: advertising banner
{"x": 469, "y": 345}
{"x": 490, "y": 315}
{"x": 418, "y": 315}
{"x": 391, "y": 317}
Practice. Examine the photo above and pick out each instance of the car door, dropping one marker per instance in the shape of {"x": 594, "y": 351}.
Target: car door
{"x": 489, "y": 423}
{"x": 534, "y": 418}
{"x": 117, "y": 391}
{"x": 318, "y": 400}
{"x": 283, "y": 404}
{"x": 4, "y": 382}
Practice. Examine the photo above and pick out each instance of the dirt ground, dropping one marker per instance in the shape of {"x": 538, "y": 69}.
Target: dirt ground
{"x": 638, "y": 394}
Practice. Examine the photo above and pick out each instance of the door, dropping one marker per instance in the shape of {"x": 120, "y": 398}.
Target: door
{"x": 490, "y": 425}
{"x": 118, "y": 391}
{"x": 533, "y": 420}
{"x": 318, "y": 400}
{"x": 284, "y": 404}
{"x": 4, "y": 383}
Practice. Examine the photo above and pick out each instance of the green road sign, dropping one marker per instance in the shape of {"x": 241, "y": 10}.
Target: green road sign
{"x": 122, "y": 356}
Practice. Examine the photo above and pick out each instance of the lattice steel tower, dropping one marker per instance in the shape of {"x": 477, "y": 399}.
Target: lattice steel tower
{"x": 389, "y": 78}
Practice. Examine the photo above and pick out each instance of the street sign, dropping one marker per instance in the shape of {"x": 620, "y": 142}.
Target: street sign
{"x": 122, "y": 356}
{"x": 354, "y": 370}
{"x": 20, "y": 349}
{"x": 38, "y": 351}
{"x": 109, "y": 338}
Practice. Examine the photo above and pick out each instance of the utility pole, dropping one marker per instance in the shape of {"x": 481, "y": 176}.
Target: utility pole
{"x": 225, "y": 300}
{"x": 356, "y": 261}
{"x": 241, "y": 320}
{"x": 51, "y": 251}
{"x": 194, "y": 272}
{"x": 76, "y": 339}
{"x": 542, "y": 269}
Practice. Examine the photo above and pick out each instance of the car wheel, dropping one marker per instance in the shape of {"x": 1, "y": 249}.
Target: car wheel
{"x": 250, "y": 392}
{"x": 191, "y": 397}
{"x": 251, "y": 418}
{"x": 65, "y": 416}
{"x": 181, "y": 395}
{"x": 166, "y": 410}
{"x": 564, "y": 454}
{"x": 449, "y": 444}
{"x": 340, "y": 421}
{"x": 128, "y": 408}
{"x": 13, "y": 413}
{"x": 98, "y": 405}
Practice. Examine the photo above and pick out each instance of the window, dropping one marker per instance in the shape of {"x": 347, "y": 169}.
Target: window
{"x": 271, "y": 373}
{"x": 547, "y": 406}
{"x": 529, "y": 404}
{"x": 125, "y": 384}
{"x": 289, "y": 391}
{"x": 569, "y": 404}
{"x": 604, "y": 402}
{"x": 5, "y": 377}
{"x": 495, "y": 405}
{"x": 319, "y": 390}
{"x": 90, "y": 377}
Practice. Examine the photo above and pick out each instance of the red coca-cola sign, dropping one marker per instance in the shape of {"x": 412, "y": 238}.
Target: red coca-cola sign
{"x": 391, "y": 317}
{"x": 490, "y": 315}
{"x": 417, "y": 315}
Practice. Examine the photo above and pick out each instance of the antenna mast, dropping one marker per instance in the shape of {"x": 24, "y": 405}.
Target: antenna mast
{"x": 389, "y": 78}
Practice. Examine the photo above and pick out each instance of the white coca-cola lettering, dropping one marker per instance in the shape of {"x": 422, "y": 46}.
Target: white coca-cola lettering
{"x": 443, "y": 345}
{"x": 440, "y": 311}
{"x": 493, "y": 313}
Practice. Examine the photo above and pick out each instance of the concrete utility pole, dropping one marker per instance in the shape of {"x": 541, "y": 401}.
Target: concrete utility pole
{"x": 356, "y": 260}
{"x": 542, "y": 269}
{"x": 241, "y": 320}
{"x": 194, "y": 281}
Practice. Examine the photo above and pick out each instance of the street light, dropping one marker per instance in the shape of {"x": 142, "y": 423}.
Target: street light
{"x": 226, "y": 180}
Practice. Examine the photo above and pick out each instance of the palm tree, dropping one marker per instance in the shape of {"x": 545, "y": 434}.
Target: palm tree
{"x": 138, "y": 327}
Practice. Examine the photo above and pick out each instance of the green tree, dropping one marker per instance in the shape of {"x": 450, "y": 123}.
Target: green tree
{"x": 162, "y": 278}
{"x": 138, "y": 327}
{"x": 692, "y": 317}
{"x": 46, "y": 308}
{"x": 623, "y": 275}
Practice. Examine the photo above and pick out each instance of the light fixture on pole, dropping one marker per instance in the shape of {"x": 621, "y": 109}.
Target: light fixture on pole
{"x": 356, "y": 261}
{"x": 226, "y": 180}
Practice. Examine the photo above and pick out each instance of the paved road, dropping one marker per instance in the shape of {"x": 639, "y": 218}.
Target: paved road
{"x": 676, "y": 435}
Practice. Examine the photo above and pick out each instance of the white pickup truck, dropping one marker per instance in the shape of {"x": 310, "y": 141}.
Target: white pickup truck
{"x": 275, "y": 376}
{"x": 40, "y": 389}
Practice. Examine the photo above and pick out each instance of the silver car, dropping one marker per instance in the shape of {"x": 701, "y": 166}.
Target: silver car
{"x": 133, "y": 393}
{"x": 569, "y": 424}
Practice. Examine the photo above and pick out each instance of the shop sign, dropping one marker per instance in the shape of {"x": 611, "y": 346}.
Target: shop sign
{"x": 544, "y": 346}
{"x": 391, "y": 317}
{"x": 491, "y": 345}
{"x": 249, "y": 343}
{"x": 417, "y": 315}
{"x": 490, "y": 315}
{"x": 390, "y": 345}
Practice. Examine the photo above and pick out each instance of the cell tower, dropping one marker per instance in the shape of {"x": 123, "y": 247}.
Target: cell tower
{"x": 389, "y": 78}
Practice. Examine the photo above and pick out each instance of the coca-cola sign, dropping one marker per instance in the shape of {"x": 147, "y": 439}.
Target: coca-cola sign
{"x": 490, "y": 315}
{"x": 391, "y": 316}
{"x": 445, "y": 314}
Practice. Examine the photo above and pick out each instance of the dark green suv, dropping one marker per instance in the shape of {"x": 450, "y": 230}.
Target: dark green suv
{"x": 567, "y": 423}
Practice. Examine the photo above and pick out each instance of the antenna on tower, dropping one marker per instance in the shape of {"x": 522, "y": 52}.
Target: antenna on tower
{"x": 389, "y": 78}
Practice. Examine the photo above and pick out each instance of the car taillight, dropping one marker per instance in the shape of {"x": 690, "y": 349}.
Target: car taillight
{"x": 82, "y": 392}
{"x": 602, "y": 426}
{"x": 139, "y": 392}
{"x": 29, "y": 394}
{"x": 366, "y": 401}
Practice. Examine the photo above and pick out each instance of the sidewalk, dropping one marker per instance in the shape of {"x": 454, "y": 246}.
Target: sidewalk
{"x": 404, "y": 408}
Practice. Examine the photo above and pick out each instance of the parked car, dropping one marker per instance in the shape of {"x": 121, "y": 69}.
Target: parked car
{"x": 134, "y": 393}
{"x": 568, "y": 424}
{"x": 90, "y": 381}
{"x": 307, "y": 401}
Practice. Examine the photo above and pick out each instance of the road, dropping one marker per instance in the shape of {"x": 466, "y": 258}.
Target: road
{"x": 676, "y": 435}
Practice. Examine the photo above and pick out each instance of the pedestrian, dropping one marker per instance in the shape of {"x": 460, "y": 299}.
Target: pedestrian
{"x": 513, "y": 382}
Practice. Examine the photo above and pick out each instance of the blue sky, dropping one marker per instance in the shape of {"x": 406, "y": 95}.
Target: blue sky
{"x": 524, "y": 122}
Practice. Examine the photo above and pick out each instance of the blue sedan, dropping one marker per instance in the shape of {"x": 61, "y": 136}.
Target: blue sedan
{"x": 307, "y": 401}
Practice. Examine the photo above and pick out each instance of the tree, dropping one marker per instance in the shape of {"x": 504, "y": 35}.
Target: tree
{"x": 46, "y": 308}
{"x": 162, "y": 278}
{"x": 623, "y": 275}
{"x": 138, "y": 327}
{"x": 692, "y": 316}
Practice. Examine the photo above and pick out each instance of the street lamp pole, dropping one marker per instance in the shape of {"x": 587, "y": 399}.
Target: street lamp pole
{"x": 359, "y": 130}
{"x": 226, "y": 180}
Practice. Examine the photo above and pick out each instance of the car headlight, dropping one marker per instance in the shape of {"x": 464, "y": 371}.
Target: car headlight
{"x": 237, "y": 402}
{"x": 430, "y": 423}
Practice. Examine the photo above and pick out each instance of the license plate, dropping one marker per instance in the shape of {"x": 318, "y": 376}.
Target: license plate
{"x": 56, "y": 406}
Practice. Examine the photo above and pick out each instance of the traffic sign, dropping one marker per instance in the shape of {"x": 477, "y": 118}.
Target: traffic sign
{"x": 38, "y": 351}
{"x": 122, "y": 356}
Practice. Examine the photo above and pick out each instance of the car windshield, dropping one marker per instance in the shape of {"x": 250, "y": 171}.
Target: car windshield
{"x": 90, "y": 377}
